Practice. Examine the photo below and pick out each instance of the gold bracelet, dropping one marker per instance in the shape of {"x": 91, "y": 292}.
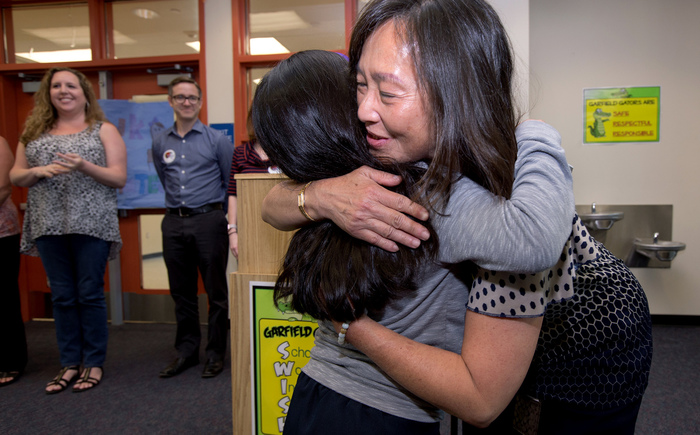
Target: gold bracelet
{"x": 301, "y": 201}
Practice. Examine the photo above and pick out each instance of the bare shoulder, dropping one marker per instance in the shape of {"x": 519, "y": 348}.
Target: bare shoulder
{"x": 108, "y": 128}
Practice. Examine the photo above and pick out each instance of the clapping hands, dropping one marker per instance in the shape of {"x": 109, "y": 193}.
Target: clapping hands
{"x": 70, "y": 161}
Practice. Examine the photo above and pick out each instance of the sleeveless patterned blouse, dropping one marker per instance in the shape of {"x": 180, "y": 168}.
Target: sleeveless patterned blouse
{"x": 9, "y": 221}
{"x": 72, "y": 203}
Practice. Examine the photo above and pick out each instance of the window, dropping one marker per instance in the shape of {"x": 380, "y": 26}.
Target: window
{"x": 295, "y": 25}
{"x": 254, "y": 77}
{"x": 50, "y": 34}
{"x": 153, "y": 28}
{"x": 270, "y": 30}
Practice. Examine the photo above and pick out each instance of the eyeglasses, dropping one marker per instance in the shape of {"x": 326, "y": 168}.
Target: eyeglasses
{"x": 193, "y": 99}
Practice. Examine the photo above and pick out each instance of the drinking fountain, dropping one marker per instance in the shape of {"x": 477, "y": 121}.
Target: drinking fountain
{"x": 660, "y": 249}
{"x": 625, "y": 238}
{"x": 600, "y": 221}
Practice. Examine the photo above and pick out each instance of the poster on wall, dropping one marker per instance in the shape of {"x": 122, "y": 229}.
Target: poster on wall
{"x": 282, "y": 341}
{"x": 615, "y": 115}
{"x": 138, "y": 123}
{"x": 227, "y": 128}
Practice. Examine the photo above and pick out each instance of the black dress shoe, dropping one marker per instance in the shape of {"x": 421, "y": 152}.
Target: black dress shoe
{"x": 213, "y": 367}
{"x": 178, "y": 366}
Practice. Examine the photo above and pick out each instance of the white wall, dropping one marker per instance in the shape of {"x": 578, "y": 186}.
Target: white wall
{"x": 219, "y": 65}
{"x": 618, "y": 43}
{"x": 515, "y": 16}
{"x": 219, "y": 61}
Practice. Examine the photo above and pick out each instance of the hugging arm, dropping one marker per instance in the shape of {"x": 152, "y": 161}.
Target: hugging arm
{"x": 357, "y": 203}
{"x": 476, "y": 385}
{"x": 523, "y": 234}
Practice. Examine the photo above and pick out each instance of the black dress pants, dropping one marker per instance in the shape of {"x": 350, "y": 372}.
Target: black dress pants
{"x": 13, "y": 350}
{"x": 190, "y": 244}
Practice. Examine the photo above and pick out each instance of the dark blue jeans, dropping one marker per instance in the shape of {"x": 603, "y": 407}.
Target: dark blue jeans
{"x": 75, "y": 265}
{"x": 315, "y": 409}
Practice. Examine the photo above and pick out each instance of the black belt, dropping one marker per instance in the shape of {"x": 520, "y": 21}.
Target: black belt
{"x": 185, "y": 212}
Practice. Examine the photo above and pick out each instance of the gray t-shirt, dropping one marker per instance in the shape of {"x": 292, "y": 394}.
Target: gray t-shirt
{"x": 525, "y": 233}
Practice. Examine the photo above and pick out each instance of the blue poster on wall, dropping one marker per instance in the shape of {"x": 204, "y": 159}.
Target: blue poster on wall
{"x": 137, "y": 123}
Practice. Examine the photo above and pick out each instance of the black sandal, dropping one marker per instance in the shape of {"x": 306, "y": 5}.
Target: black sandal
{"x": 62, "y": 383}
{"x": 87, "y": 379}
{"x": 13, "y": 375}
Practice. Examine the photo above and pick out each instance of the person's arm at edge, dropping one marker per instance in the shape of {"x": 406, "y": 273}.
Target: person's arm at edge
{"x": 356, "y": 202}
{"x": 476, "y": 385}
{"x": 7, "y": 160}
{"x": 224, "y": 150}
{"x": 22, "y": 175}
{"x": 232, "y": 232}
{"x": 157, "y": 158}
{"x": 232, "y": 210}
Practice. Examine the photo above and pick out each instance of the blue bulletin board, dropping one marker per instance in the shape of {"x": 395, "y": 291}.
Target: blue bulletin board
{"x": 138, "y": 123}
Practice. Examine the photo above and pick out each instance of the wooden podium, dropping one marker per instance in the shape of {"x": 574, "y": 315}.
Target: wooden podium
{"x": 261, "y": 249}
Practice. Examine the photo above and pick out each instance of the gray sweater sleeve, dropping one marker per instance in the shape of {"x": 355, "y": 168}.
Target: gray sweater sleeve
{"x": 525, "y": 233}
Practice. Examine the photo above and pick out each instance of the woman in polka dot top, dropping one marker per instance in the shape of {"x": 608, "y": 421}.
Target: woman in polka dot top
{"x": 566, "y": 350}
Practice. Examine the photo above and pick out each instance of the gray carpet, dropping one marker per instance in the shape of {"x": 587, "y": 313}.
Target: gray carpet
{"x": 132, "y": 399}
{"x": 671, "y": 404}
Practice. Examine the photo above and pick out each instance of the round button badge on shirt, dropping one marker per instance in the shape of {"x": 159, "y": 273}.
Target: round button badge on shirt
{"x": 169, "y": 156}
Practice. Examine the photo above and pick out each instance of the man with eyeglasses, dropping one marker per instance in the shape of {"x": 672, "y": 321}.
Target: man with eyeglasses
{"x": 192, "y": 161}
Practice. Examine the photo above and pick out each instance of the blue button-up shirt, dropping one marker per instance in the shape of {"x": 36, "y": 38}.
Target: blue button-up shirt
{"x": 193, "y": 169}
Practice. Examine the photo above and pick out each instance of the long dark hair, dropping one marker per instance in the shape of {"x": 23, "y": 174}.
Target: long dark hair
{"x": 305, "y": 118}
{"x": 463, "y": 62}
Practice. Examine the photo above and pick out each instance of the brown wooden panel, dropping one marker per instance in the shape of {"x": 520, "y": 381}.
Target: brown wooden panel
{"x": 130, "y": 256}
{"x": 261, "y": 247}
{"x": 240, "y": 348}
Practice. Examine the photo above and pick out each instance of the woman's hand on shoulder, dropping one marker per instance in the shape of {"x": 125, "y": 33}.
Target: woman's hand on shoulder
{"x": 359, "y": 204}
